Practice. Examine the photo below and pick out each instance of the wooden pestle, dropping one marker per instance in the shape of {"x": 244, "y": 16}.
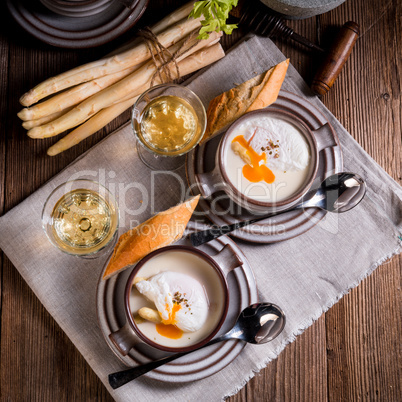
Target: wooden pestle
{"x": 266, "y": 22}
{"x": 336, "y": 58}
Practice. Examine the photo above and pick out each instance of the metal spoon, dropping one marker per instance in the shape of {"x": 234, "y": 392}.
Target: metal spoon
{"x": 258, "y": 323}
{"x": 337, "y": 193}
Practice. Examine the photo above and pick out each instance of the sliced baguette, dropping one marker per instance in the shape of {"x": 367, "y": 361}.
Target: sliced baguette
{"x": 256, "y": 93}
{"x": 159, "y": 231}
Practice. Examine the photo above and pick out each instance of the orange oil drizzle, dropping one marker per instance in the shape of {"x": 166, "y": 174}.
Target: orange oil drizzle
{"x": 255, "y": 172}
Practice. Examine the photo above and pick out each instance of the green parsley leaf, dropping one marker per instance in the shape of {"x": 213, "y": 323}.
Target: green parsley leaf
{"x": 215, "y": 12}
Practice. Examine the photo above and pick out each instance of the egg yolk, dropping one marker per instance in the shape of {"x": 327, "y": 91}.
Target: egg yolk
{"x": 169, "y": 331}
{"x": 257, "y": 171}
{"x": 167, "y": 328}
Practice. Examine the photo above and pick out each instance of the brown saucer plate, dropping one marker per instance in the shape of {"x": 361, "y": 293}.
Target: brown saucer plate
{"x": 221, "y": 211}
{"x": 199, "y": 364}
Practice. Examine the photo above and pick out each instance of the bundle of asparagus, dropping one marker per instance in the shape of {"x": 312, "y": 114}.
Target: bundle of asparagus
{"x": 88, "y": 97}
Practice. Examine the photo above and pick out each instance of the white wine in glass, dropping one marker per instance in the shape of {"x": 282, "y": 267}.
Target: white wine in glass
{"x": 169, "y": 125}
{"x": 168, "y": 121}
{"x": 83, "y": 220}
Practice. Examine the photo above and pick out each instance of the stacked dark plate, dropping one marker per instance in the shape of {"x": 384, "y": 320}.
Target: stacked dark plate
{"x": 77, "y": 23}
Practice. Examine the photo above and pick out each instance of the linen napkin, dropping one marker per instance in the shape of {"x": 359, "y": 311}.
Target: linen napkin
{"x": 305, "y": 275}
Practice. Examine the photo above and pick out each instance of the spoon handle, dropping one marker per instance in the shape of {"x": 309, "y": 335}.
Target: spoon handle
{"x": 204, "y": 236}
{"x": 120, "y": 378}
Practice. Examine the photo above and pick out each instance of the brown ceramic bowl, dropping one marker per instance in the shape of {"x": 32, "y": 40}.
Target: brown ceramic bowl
{"x": 260, "y": 206}
{"x": 218, "y": 179}
{"x": 220, "y": 265}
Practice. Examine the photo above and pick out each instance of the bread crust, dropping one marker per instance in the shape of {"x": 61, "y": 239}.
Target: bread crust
{"x": 271, "y": 86}
{"x": 158, "y": 231}
{"x": 256, "y": 93}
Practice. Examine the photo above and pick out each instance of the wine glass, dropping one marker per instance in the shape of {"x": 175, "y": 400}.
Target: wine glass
{"x": 168, "y": 121}
{"x": 81, "y": 218}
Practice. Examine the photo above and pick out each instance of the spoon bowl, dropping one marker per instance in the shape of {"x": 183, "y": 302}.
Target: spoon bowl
{"x": 258, "y": 323}
{"x": 337, "y": 193}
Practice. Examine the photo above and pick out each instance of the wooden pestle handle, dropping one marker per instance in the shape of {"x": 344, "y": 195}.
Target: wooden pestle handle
{"x": 336, "y": 58}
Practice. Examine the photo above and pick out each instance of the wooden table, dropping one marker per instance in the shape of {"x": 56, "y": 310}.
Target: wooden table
{"x": 352, "y": 352}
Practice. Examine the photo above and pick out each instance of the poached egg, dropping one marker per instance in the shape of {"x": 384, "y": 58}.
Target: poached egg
{"x": 179, "y": 298}
{"x": 271, "y": 144}
{"x": 283, "y": 145}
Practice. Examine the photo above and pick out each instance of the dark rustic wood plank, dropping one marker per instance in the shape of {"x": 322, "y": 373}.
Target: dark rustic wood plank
{"x": 371, "y": 83}
{"x": 38, "y": 361}
{"x": 362, "y": 329}
{"x": 363, "y": 335}
{"x": 350, "y": 376}
{"x": 4, "y": 47}
{"x": 350, "y": 353}
{"x": 298, "y": 374}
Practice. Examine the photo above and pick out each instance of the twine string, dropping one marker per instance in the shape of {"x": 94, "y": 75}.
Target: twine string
{"x": 163, "y": 58}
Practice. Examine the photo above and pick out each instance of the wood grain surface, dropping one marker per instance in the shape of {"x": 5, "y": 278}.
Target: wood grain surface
{"x": 352, "y": 352}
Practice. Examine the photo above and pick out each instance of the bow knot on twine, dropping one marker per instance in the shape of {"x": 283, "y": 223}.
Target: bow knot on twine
{"x": 165, "y": 59}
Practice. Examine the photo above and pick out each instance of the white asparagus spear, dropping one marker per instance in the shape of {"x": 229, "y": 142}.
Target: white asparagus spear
{"x": 132, "y": 84}
{"x": 169, "y": 20}
{"x": 110, "y": 65}
{"x": 157, "y": 28}
{"x": 43, "y": 120}
{"x": 212, "y": 40}
{"x": 77, "y": 94}
{"x": 190, "y": 64}
{"x": 73, "y": 96}
{"x": 90, "y": 127}
{"x": 150, "y": 314}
